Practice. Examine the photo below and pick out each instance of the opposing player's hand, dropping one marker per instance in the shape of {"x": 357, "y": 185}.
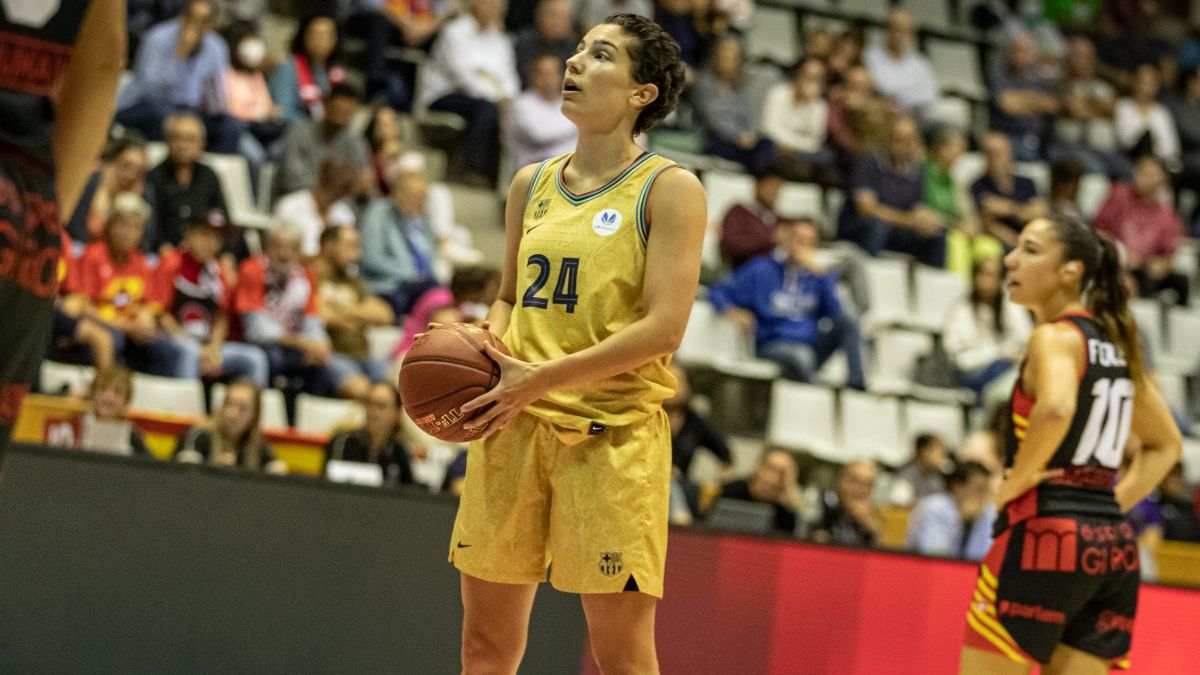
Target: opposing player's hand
{"x": 518, "y": 387}
{"x": 1013, "y": 487}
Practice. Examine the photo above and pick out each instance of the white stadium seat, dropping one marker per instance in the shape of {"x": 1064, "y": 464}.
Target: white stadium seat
{"x": 956, "y": 66}
{"x": 234, "y": 173}
{"x": 802, "y": 418}
{"x": 1148, "y": 314}
{"x": 320, "y": 415}
{"x": 56, "y": 377}
{"x": 943, "y": 419}
{"x": 887, "y": 291}
{"x": 951, "y": 111}
{"x": 1093, "y": 190}
{"x": 167, "y": 395}
{"x": 894, "y": 356}
{"x": 930, "y": 13}
{"x": 1038, "y": 172}
{"x": 870, "y": 427}
{"x": 934, "y": 292}
{"x": 800, "y": 199}
{"x": 725, "y": 190}
{"x": 773, "y": 35}
{"x": 1183, "y": 341}
{"x": 969, "y": 168}
{"x": 871, "y": 9}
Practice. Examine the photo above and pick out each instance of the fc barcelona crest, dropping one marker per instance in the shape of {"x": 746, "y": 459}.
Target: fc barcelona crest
{"x": 610, "y": 564}
{"x": 540, "y": 211}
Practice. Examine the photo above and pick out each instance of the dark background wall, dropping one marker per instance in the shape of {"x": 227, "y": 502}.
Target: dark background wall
{"x": 110, "y": 565}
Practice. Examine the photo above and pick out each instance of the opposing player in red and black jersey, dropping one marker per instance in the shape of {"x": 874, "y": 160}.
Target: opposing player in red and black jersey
{"x": 60, "y": 61}
{"x": 1060, "y": 583}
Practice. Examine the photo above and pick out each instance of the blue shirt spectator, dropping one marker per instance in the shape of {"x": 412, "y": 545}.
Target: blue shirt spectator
{"x": 791, "y": 304}
{"x": 398, "y": 244}
{"x": 159, "y": 75}
{"x": 956, "y": 523}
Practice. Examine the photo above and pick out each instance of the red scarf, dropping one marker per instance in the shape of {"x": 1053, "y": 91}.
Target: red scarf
{"x": 311, "y": 94}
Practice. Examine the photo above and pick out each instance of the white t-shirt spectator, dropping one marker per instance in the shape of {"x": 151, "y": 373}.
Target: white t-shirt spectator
{"x": 300, "y": 209}
{"x": 470, "y": 61}
{"x": 1131, "y": 125}
{"x": 538, "y": 130}
{"x": 792, "y": 125}
{"x": 971, "y": 339}
{"x": 908, "y": 80}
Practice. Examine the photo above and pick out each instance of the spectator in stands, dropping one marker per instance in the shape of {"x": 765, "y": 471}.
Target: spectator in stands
{"x": 957, "y": 522}
{"x": 1024, "y": 97}
{"x": 1028, "y": 16}
{"x": 71, "y": 330}
{"x": 117, "y": 281}
{"x": 183, "y": 187}
{"x": 985, "y": 334}
{"x": 1084, "y": 129}
{"x": 795, "y": 118}
{"x": 690, "y": 431}
{"x": 108, "y": 401}
{"x": 925, "y": 474}
{"x": 1065, "y": 177}
{"x": 1174, "y": 506}
{"x": 898, "y": 69}
{"x": 724, "y": 108}
{"x": 123, "y": 168}
{"x": 773, "y": 482}
{"x": 403, "y": 23}
{"x": 345, "y": 302}
{"x": 1185, "y": 111}
{"x": 748, "y": 230}
{"x": 1139, "y": 216}
{"x": 472, "y": 72}
{"x": 846, "y": 53}
{"x": 380, "y": 440}
{"x": 309, "y": 142}
{"x": 195, "y": 296}
{"x": 301, "y": 84}
{"x": 1005, "y": 200}
{"x": 950, "y": 199}
{"x": 383, "y": 139}
{"x": 276, "y": 298}
{"x": 322, "y": 207}
{"x": 537, "y": 129}
{"x": 398, "y": 243}
{"x": 1143, "y": 124}
{"x": 471, "y": 293}
{"x": 886, "y": 209}
{"x": 250, "y": 100}
{"x": 594, "y": 12}
{"x": 181, "y": 65}
{"x": 231, "y": 437}
{"x": 859, "y": 118}
{"x": 849, "y": 518}
{"x": 552, "y": 33}
{"x": 785, "y": 298}
{"x": 678, "y": 18}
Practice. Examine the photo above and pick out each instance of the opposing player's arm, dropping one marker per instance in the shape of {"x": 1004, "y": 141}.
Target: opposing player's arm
{"x": 89, "y": 95}
{"x": 514, "y": 227}
{"x": 1161, "y": 445}
{"x": 677, "y": 211}
{"x": 1056, "y": 357}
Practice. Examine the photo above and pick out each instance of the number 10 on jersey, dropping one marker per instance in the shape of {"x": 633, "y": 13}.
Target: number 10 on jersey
{"x": 564, "y": 288}
{"x": 1107, "y": 426}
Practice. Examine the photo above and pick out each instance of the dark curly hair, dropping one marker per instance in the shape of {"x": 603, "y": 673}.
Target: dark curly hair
{"x": 657, "y": 60}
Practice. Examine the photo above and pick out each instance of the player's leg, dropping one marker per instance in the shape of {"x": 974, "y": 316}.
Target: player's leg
{"x": 495, "y": 625}
{"x": 974, "y": 661}
{"x": 621, "y": 630}
{"x": 1070, "y": 661}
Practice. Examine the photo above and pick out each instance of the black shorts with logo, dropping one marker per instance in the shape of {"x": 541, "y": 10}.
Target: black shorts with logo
{"x": 30, "y": 248}
{"x": 1066, "y": 579}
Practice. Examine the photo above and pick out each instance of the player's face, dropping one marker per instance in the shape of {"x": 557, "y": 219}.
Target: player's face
{"x": 1035, "y": 266}
{"x": 599, "y": 81}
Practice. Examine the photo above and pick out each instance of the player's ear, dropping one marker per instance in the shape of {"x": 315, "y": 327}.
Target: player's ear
{"x": 1073, "y": 270}
{"x": 644, "y": 95}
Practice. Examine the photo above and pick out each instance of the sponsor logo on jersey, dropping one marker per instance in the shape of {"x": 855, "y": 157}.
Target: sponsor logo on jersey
{"x": 610, "y": 564}
{"x": 606, "y": 222}
{"x": 1035, "y": 612}
{"x": 1050, "y": 545}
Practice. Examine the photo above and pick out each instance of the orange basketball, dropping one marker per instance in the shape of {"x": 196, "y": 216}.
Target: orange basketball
{"x": 446, "y": 367}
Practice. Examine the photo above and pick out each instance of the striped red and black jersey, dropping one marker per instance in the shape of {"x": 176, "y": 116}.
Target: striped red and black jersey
{"x": 1091, "y": 451}
{"x": 36, "y": 40}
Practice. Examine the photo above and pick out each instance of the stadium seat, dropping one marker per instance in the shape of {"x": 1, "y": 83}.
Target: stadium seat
{"x": 969, "y": 168}
{"x": 234, "y": 173}
{"x": 59, "y": 377}
{"x": 1038, "y": 172}
{"x": 713, "y": 341}
{"x": 956, "y": 65}
{"x": 1174, "y": 390}
{"x": 951, "y": 111}
{"x": 870, "y": 427}
{"x": 156, "y": 152}
{"x": 869, "y": 9}
{"x": 1093, "y": 190}
{"x": 273, "y": 408}
{"x": 930, "y": 13}
{"x": 894, "y": 356}
{"x": 167, "y": 395}
{"x": 802, "y": 418}
{"x": 1191, "y": 460}
{"x": 381, "y": 340}
{"x": 1183, "y": 341}
{"x": 887, "y": 291}
{"x": 943, "y": 419}
{"x": 724, "y": 191}
{"x": 773, "y": 35}
{"x": 266, "y": 183}
{"x": 1148, "y": 314}
{"x": 319, "y": 415}
{"x": 800, "y": 199}
{"x": 934, "y": 292}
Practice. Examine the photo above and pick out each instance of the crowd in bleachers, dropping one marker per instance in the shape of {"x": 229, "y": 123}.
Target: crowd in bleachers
{"x": 272, "y": 218}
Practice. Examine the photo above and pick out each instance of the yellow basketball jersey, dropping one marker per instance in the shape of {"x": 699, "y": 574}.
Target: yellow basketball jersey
{"x": 579, "y": 280}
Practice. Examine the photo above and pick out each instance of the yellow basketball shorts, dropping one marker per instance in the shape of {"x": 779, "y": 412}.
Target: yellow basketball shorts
{"x": 592, "y": 508}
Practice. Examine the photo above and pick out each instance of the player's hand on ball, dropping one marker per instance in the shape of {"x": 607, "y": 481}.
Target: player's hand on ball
{"x": 518, "y": 387}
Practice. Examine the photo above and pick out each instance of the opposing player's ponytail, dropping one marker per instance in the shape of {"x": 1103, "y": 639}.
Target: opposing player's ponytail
{"x": 1102, "y": 284}
{"x": 1108, "y": 300}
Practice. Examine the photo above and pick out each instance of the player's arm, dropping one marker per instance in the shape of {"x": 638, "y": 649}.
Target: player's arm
{"x": 89, "y": 95}
{"x": 1161, "y": 445}
{"x": 514, "y": 227}
{"x": 677, "y": 215}
{"x": 1056, "y": 357}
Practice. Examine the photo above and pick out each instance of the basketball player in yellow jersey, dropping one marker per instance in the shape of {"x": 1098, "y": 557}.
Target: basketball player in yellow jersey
{"x": 602, "y": 262}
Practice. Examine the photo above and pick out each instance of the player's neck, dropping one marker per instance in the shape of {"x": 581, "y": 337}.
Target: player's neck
{"x": 603, "y": 155}
{"x": 1056, "y": 307}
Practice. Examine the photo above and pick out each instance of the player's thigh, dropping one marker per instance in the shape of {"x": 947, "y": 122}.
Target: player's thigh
{"x": 975, "y": 661}
{"x": 1070, "y": 661}
{"x": 621, "y": 631}
{"x": 499, "y": 612}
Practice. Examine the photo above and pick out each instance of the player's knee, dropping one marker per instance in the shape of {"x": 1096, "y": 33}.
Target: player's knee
{"x": 625, "y": 658}
{"x": 487, "y": 652}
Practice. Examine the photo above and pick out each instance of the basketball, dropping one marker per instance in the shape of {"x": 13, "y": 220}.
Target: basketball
{"x": 446, "y": 367}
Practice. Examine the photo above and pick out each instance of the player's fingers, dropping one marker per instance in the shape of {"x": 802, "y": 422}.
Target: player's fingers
{"x": 433, "y": 325}
{"x": 1051, "y": 473}
{"x": 484, "y": 418}
{"x": 478, "y": 402}
{"x": 498, "y": 356}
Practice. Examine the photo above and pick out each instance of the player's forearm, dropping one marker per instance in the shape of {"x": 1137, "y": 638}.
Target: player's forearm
{"x": 1148, "y": 470}
{"x": 635, "y": 345}
{"x": 498, "y": 317}
{"x": 1047, "y": 428}
{"x": 89, "y": 94}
